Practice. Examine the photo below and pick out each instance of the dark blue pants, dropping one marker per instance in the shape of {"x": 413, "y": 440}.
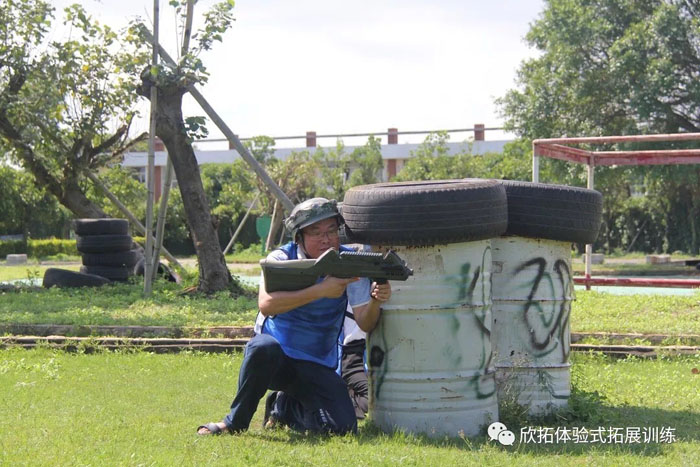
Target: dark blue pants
{"x": 316, "y": 398}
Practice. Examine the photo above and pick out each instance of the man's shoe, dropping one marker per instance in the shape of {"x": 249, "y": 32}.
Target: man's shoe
{"x": 270, "y": 421}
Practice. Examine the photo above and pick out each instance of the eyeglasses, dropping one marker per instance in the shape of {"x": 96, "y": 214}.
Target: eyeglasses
{"x": 331, "y": 234}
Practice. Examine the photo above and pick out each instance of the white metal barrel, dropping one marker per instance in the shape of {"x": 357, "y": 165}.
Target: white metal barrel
{"x": 430, "y": 354}
{"x": 532, "y": 294}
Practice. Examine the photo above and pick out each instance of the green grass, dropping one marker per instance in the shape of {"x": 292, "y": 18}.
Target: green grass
{"x": 613, "y": 266}
{"x": 693, "y": 340}
{"x": 143, "y": 409}
{"x": 635, "y": 269}
{"x": 248, "y": 255}
{"x": 619, "y": 254}
{"x": 123, "y": 304}
{"x": 661, "y": 314}
{"x": 30, "y": 270}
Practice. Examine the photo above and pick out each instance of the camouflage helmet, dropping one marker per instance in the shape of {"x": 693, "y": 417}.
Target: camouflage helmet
{"x": 311, "y": 211}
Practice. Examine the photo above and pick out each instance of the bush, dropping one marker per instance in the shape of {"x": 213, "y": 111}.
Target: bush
{"x": 51, "y": 247}
{"x": 12, "y": 247}
{"x": 40, "y": 248}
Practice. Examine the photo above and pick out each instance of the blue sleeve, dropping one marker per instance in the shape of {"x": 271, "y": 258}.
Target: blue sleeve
{"x": 358, "y": 292}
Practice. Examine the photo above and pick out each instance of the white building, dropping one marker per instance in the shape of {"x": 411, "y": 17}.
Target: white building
{"x": 393, "y": 153}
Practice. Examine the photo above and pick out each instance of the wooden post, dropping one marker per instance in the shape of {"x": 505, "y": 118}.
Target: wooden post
{"x": 148, "y": 262}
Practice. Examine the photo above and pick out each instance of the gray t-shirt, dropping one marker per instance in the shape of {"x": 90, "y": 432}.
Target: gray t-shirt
{"x": 358, "y": 291}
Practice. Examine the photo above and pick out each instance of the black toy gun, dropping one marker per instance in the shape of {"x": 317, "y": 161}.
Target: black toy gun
{"x": 299, "y": 274}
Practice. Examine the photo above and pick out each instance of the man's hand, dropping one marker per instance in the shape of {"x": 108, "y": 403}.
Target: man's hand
{"x": 381, "y": 292}
{"x": 333, "y": 287}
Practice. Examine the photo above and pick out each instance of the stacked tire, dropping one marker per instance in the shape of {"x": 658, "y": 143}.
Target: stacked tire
{"x": 106, "y": 248}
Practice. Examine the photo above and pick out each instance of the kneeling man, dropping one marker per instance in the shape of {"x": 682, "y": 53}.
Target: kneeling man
{"x": 295, "y": 348}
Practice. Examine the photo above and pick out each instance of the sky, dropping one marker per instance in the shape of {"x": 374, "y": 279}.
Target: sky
{"x": 330, "y": 66}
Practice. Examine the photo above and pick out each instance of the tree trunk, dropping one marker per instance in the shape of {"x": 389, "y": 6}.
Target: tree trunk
{"x": 74, "y": 199}
{"x": 213, "y": 274}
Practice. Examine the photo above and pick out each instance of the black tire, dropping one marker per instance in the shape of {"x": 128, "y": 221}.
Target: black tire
{"x": 124, "y": 258}
{"x": 425, "y": 213}
{"x": 163, "y": 270}
{"x": 554, "y": 212}
{"x": 101, "y": 226}
{"x": 104, "y": 243}
{"x": 120, "y": 273}
{"x": 54, "y": 277}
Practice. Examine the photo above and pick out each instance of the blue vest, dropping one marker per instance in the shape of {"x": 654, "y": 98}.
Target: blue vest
{"x": 310, "y": 332}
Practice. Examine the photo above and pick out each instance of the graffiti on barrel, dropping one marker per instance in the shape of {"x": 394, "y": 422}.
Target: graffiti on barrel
{"x": 472, "y": 282}
{"x": 549, "y": 320}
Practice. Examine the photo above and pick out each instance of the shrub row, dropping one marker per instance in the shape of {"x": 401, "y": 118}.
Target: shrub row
{"x": 38, "y": 248}
{"x": 12, "y": 247}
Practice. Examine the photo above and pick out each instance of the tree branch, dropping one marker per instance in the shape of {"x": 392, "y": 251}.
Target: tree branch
{"x": 109, "y": 142}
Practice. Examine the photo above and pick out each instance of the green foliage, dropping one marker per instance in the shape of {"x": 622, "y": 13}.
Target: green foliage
{"x": 12, "y": 247}
{"x": 26, "y": 208}
{"x": 328, "y": 172}
{"x": 340, "y": 171}
{"x": 39, "y": 248}
{"x": 71, "y": 92}
{"x": 195, "y": 128}
{"x": 51, "y": 247}
{"x": 122, "y": 182}
{"x": 365, "y": 164}
{"x": 606, "y": 68}
{"x": 189, "y": 68}
{"x": 432, "y": 161}
{"x": 261, "y": 147}
{"x": 62, "y": 99}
